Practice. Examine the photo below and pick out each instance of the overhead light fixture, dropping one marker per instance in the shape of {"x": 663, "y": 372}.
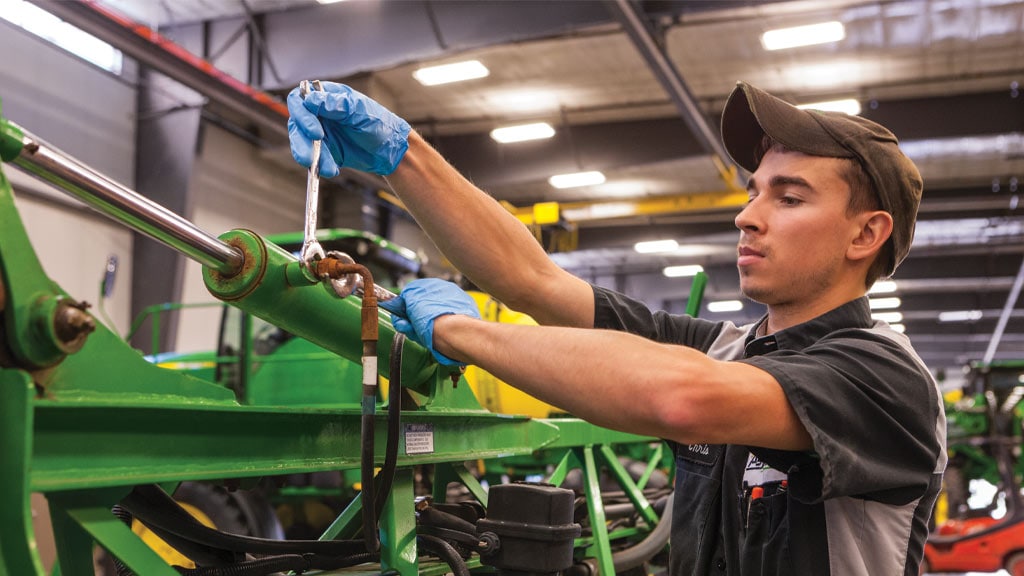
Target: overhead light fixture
{"x": 682, "y": 271}
{"x": 808, "y": 35}
{"x": 523, "y": 132}
{"x": 898, "y": 328}
{"x": 960, "y": 316}
{"x": 576, "y": 179}
{"x": 890, "y": 317}
{"x": 883, "y": 287}
{"x": 849, "y": 106}
{"x": 655, "y": 246}
{"x": 447, "y": 73}
{"x": 884, "y": 303}
{"x": 725, "y": 306}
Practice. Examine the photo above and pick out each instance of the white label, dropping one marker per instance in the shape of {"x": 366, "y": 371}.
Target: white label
{"x": 419, "y": 439}
{"x": 369, "y": 370}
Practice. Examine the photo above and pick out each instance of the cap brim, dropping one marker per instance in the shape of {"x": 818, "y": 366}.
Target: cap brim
{"x": 751, "y": 113}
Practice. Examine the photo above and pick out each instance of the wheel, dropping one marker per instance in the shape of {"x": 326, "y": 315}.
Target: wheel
{"x": 1015, "y": 564}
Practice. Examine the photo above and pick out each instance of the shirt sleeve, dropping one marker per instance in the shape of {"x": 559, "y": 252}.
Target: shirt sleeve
{"x": 871, "y": 408}
{"x": 614, "y": 311}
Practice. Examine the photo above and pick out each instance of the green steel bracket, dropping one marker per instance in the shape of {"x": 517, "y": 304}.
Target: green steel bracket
{"x": 17, "y": 541}
{"x": 601, "y": 548}
{"x": 10, "y": 140}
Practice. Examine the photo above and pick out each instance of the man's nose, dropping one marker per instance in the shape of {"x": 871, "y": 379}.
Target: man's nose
{"x": 748, "y": 218}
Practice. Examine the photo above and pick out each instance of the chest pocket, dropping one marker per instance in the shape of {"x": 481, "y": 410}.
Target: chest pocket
{"x": 765, "y": 545}
{"x": 695, "y": 506}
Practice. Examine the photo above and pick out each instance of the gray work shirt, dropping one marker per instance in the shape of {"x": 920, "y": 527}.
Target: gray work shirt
{"x": 859, "y": 502}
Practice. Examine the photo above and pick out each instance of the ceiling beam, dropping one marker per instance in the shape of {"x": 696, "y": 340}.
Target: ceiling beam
{"x": 633, "y": 21}
{"x": 161, "y": 54}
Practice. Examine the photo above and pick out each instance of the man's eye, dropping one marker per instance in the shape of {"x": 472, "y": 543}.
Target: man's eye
{"x": 790, "y": 201}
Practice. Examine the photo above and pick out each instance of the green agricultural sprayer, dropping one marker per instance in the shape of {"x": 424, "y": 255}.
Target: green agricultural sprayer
{"x": 107, "y": 436}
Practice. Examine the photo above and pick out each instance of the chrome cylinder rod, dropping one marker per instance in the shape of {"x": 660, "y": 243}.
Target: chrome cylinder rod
{"x": 125, "y": 205}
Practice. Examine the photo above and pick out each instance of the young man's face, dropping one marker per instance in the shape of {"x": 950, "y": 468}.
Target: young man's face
{"x": 795, "y": 230}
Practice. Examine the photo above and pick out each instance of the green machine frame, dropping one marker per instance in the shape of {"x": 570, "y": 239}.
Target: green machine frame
{"x": 84, "y": 417}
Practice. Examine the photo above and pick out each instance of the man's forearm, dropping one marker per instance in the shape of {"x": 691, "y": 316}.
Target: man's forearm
{"x": 626, "y": 382}
{"x": 482, "y": 239}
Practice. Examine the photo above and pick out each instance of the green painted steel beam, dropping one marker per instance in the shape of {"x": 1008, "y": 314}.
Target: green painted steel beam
{"x": 601, "y": 549}
{"x": 632, "y": 491}
{"x": 83, "y": 445}
{"x": 119, "y": 540}
{"x": 17, "y": 539}
{"x": 576, "y": 432}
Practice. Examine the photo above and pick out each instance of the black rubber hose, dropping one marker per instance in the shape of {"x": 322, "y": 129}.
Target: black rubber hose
{"x": 154, "y": 508}
{"x": 647, "y": 548}
{"x": 434, "y": 517}
{"x": 445, "y": 552}
{"x": 260, "y": 567}
{"x": 370, "y": 537}
{"x": 387, "y": 472}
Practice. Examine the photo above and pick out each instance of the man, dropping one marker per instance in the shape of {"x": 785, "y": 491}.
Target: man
{"x": 809, "y": 443}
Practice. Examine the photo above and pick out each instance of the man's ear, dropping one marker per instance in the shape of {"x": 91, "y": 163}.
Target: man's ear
{"x": 875, "y": 229}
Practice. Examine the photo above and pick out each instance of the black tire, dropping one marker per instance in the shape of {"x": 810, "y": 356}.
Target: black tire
{"x": 244, "y": 512}
{"x": 1015, "y": 564}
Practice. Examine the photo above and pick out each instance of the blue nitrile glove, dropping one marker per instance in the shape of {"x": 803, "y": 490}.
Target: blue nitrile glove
{"x": 423, "y": 301}
{"x": 357, "y": 132}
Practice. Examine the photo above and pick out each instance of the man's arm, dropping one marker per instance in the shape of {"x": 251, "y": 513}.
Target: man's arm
{"x": 629, "y": 383}
{"x": 481, "y": 238}
{"x": 487, "y": 243}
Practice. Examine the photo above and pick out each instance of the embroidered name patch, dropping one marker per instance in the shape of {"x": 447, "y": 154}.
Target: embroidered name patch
{"x": 706, "y": 454}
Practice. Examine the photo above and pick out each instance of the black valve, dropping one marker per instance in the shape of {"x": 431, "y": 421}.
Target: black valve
{"x": 533, "y": 526}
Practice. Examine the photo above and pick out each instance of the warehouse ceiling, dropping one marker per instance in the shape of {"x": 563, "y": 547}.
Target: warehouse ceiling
{"x": 942, "y": 74}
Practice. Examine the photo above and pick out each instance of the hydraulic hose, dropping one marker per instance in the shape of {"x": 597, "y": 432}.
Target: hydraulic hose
{"x": 387, "y": 472}
{"x": 334, "y": 268}
{"x": 445, "y": 552}
{"x": 158, "y": 511}
{"x": 647, "y": 548}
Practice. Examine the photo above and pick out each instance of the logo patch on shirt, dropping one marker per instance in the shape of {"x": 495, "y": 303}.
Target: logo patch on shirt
{"x": 706, "y": 454}
{"x": 758, "y": 473}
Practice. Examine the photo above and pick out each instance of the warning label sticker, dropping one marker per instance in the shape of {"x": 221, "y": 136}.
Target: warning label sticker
{"x": 419, "y": 439}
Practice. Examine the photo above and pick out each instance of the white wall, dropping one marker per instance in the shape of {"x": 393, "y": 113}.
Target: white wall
{"x": 89, "y": 114}
{"x": 235, "y": 185}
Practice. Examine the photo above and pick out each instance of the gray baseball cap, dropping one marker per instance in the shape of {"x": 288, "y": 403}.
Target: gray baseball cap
{"x": 750, "y": 113}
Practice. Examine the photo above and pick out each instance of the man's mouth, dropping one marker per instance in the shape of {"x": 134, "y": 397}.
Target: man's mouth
{"x": 747, "y": 255}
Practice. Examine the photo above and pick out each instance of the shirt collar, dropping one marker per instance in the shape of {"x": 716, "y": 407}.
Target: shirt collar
{"x": 854, "y": 314}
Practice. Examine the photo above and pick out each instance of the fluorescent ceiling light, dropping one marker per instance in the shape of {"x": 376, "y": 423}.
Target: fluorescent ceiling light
{"x": 682, "y": 271}
{"x": 822, "y": 33}
{"x": 725, "y": 306}
{"x": 883, "y": 287}
{"x": 850, "y": 106}
{"x": 654, "y": 246}
{"x": 884, "y": 303}
{"x": 445, "y": 73}
{"x": 576, "y": 179}
{"x": 960, "y": 316}
{"x": 890, "y": 317}
{"x": 523, "y": 132}
{"x": 898, "y": 328}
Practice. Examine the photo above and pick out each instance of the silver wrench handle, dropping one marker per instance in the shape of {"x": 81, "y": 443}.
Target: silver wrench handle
{"x": 311, "y": 249}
